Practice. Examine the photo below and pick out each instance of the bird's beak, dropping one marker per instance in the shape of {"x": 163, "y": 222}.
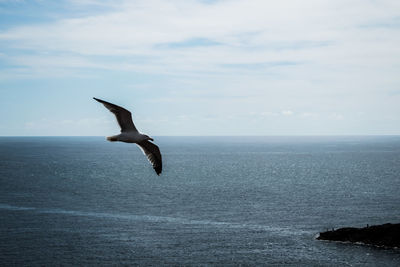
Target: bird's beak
{"x": 151, "y": 139}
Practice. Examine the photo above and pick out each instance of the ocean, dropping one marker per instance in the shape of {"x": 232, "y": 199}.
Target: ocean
{"x": 250, "y": 201}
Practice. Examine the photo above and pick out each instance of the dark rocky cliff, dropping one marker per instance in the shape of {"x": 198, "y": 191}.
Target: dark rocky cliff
{"x": 385, "y": 235}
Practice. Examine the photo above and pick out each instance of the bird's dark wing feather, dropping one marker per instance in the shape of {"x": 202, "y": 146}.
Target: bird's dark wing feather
{"x": 153, "y": 154}
{"x": 124, "y": 117}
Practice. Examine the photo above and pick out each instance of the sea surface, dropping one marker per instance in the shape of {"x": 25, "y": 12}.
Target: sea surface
{"x": 251, "y": 201}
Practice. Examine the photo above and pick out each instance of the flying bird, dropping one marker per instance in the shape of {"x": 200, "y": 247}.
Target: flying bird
{"x": 129, "y": 134}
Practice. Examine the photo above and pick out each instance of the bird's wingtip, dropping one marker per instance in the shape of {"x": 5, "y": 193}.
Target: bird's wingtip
{"x": 99, "y": 100}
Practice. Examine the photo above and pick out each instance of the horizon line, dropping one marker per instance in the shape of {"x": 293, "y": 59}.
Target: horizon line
{"x": 275, "y": 135}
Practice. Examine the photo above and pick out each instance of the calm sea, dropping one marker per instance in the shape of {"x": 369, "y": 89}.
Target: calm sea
{"x": 219, "y": 201}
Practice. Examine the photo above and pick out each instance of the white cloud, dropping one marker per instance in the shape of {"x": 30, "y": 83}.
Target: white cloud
{"x": 336, "y": 116}
{"x": 287, "y": 112}
{"x": 277, "y": 31}
{"x": 309, "y": 115}
{"x": 320, "y": 42}
{"x": 290, "y": 39}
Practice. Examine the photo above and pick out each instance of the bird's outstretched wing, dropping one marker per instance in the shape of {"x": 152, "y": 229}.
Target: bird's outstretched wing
{"x": 153, "y": 154}
{"x": 124, "y": 117}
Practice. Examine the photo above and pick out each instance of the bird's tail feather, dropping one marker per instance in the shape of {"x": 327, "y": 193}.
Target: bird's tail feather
{"x": 112, "y": 138}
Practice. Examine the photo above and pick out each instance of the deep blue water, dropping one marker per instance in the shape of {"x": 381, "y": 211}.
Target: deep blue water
{"x": 219, "y": 200}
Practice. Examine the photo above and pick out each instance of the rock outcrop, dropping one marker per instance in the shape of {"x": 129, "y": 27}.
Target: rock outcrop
{"x": 385, "y": 235}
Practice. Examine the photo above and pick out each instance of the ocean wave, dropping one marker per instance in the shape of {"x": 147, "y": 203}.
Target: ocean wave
{"x": 158, "y": 219}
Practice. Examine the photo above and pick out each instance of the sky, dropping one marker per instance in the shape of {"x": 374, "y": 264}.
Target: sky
{"x": 200, "y": 67}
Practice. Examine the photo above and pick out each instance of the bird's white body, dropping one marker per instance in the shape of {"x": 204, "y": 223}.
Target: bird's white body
{"x": 129, "y": 137}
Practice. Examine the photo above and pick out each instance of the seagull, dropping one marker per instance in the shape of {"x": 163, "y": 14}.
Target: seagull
{"x": 129, "y": 134}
